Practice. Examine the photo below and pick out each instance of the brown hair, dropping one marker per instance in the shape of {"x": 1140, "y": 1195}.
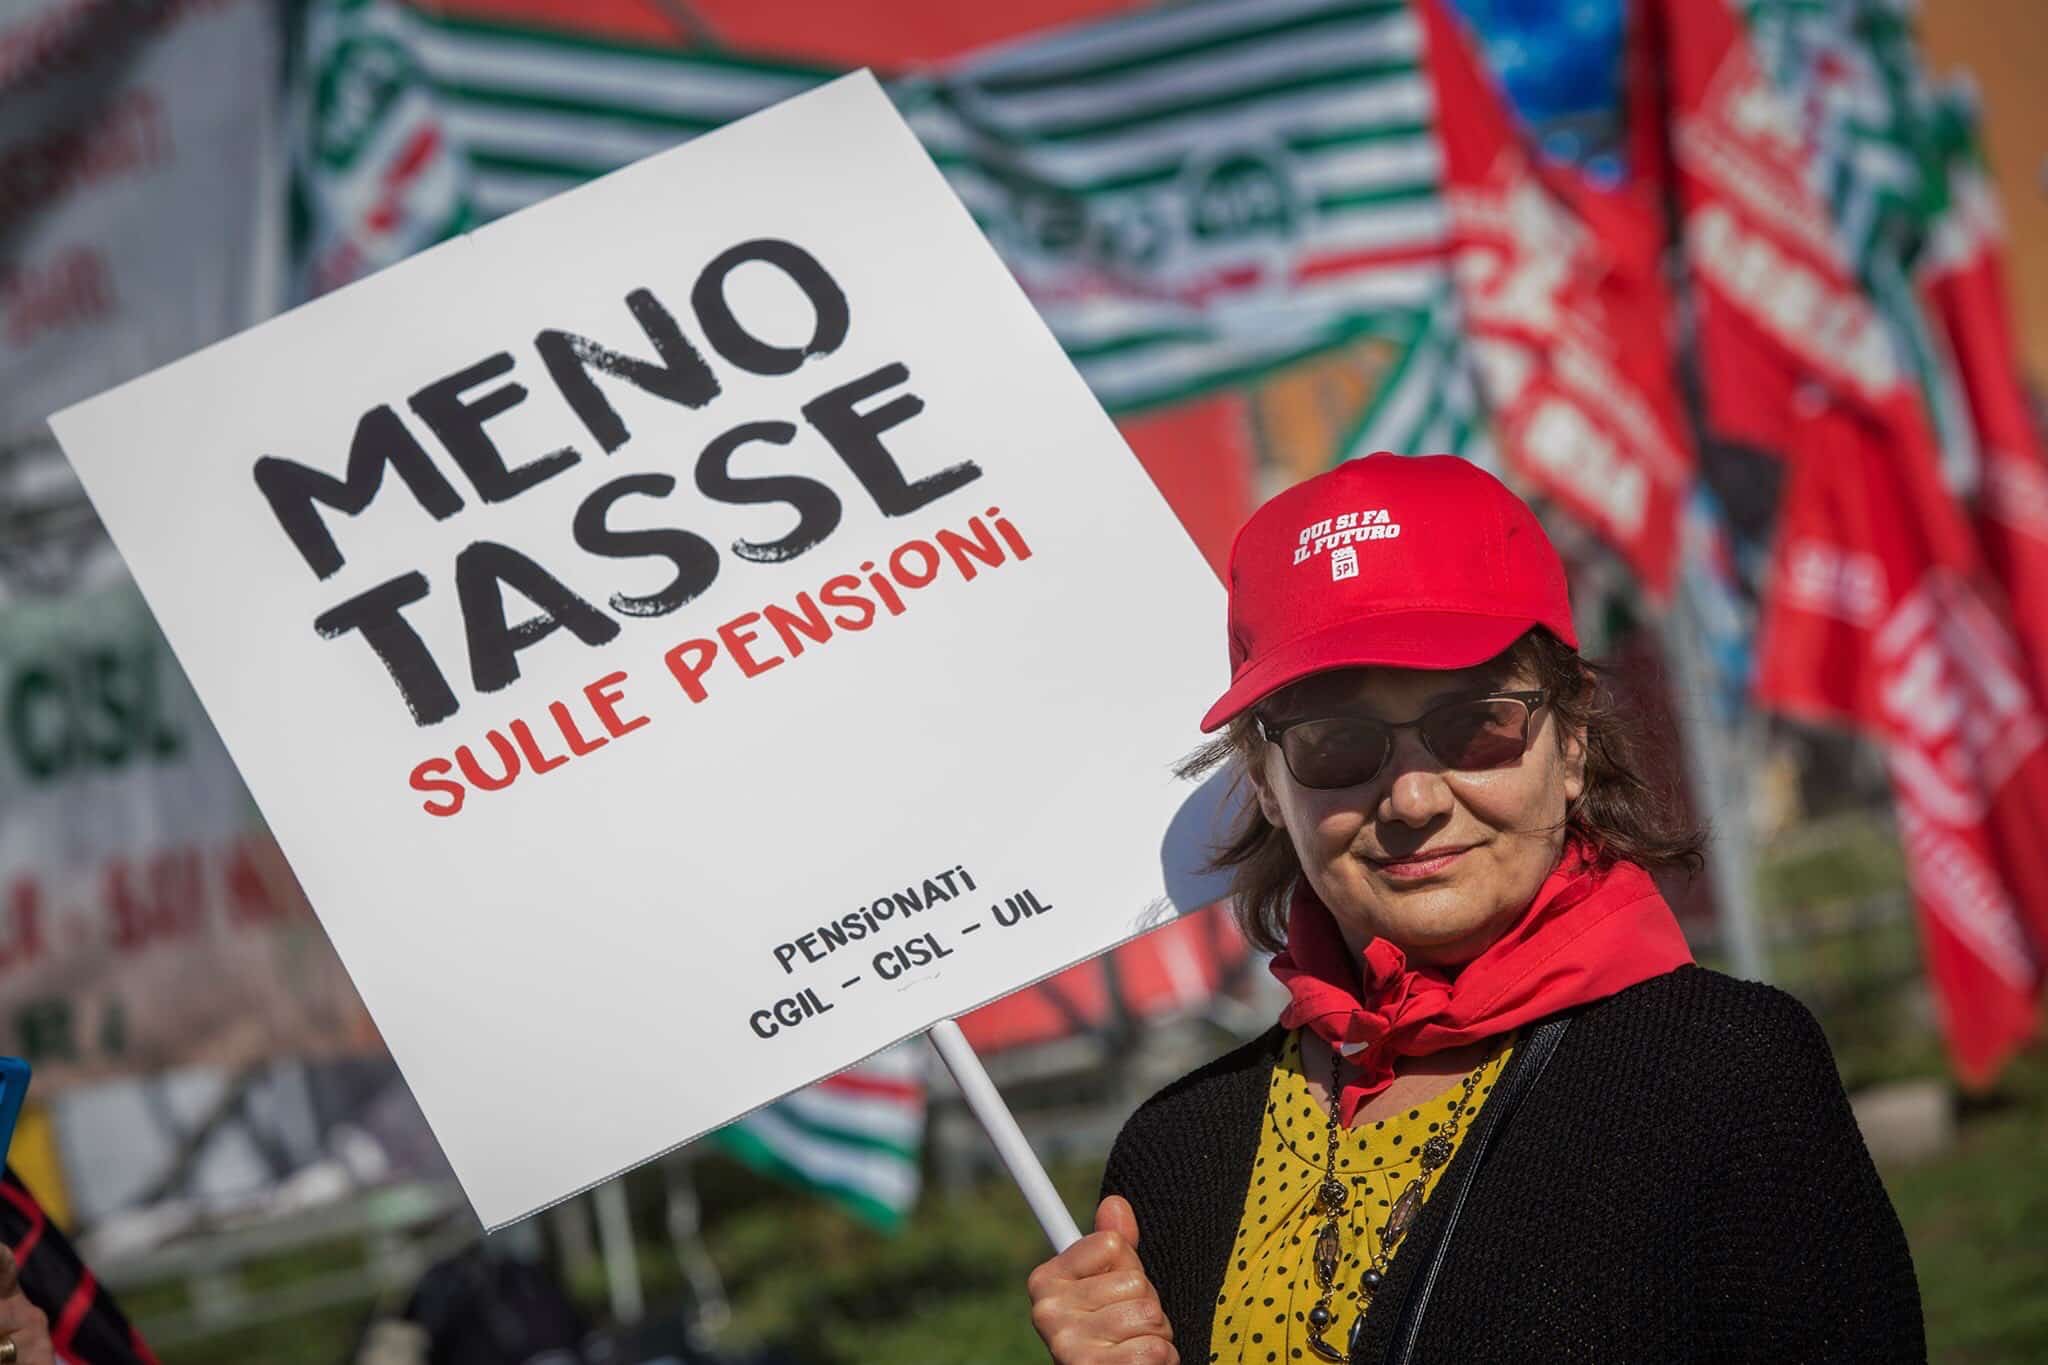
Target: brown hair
{"x": 1630, "y": 809}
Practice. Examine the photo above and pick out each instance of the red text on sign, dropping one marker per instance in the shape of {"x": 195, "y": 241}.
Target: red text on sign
{"x": 519, "y": 747}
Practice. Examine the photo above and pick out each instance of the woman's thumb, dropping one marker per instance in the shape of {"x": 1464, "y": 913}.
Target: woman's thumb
{"x": 1115, "y": 1214}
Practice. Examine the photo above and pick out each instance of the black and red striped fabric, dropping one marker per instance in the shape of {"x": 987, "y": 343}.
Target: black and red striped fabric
{"x": 86, "y": 1325}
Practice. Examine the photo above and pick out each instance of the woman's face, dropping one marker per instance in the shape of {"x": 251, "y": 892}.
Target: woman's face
{"x": 1440, "y": 863}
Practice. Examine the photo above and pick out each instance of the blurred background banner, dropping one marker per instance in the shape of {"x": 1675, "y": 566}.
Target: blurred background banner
{"x": 1196, "y": 195}
{"x": 1967, "y": 283}
{"x": 140, "y": 170}
{"x": 1813, "y": 185}
{"x": 146, "y": 919}
{"x": 1191, "y": 197}
{"x": 1935, "y": 676}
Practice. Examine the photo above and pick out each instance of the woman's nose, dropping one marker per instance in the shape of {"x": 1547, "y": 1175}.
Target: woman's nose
{"x": 1416, "y": 792}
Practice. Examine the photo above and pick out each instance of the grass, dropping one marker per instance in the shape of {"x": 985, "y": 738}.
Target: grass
{"x": 1976, "y": 1216}
{"x": 948, "y": 1287}
{"x": 1844, "y": 858}
{"x": 1834, "y": 902}
{"x": 1977, "y": 1220}
{"x": 326, "y": 1337}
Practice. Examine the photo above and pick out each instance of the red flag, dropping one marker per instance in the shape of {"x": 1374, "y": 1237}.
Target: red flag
{"x": 1779, "y": 307}
{"x": 1879, "y": 613}
{"x": 1568, "y": 315}
{"x": 1965, "y": 285}
{"x": 1867, "y": 623}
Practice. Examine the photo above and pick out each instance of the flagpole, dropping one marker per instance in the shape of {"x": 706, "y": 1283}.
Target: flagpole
{"x": 1717, "y": 764}
{"x": 1001, "y": 1126}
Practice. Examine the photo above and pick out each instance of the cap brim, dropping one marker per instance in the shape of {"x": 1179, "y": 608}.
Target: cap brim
{"x": 1402, "y": 639}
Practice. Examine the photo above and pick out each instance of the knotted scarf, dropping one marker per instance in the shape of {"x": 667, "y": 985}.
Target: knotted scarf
{"x": 1589, "y": 932}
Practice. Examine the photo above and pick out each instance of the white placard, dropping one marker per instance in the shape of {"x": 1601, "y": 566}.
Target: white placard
{"x": 905, "y": 747}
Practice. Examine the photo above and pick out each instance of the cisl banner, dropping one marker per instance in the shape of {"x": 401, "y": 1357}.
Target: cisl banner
{"x": 146, "y": 919}
{"x": 685, "y": 637}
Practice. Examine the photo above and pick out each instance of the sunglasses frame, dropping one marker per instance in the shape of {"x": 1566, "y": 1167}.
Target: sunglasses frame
{"x": 1531, "y": 702}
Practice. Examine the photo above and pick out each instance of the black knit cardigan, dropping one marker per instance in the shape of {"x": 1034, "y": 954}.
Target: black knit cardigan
{"x": 1681, "y": 1181}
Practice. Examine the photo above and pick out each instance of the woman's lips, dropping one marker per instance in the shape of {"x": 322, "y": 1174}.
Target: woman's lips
{"x": 1416, "y": 866}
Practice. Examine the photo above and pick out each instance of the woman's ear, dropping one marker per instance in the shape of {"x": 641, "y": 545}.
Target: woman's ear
{"x": 1572, "y": 751}
{"x": 1262, "y": 785}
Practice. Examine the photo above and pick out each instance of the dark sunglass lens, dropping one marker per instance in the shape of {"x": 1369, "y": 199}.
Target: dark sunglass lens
{"x": 1335, "y": 753}
{"x": 1475, "y": 735}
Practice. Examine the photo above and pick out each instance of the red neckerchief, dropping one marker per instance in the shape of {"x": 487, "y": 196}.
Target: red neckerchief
{"x": 1590, "y": 932}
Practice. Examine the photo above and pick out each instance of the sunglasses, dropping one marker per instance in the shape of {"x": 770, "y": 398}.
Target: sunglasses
{"x": 1468, "y": 736}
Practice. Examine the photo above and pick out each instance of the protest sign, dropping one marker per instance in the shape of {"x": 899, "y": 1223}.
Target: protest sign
{"x": 686, "y": 636}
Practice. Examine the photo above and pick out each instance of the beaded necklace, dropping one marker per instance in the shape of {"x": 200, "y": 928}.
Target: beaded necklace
{"x": 1331, "y": 1199}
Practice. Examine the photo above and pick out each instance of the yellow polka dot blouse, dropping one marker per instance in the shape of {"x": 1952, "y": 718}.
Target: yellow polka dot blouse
{"x": 1270, "y": 1284}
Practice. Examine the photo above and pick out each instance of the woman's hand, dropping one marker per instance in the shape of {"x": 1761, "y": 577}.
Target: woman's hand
{"x": 1092, "y": 1303}
{"x": 22, "y": 1324}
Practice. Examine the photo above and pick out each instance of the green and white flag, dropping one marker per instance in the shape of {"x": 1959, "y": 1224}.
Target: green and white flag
{"x": 1191, "y": 196}
{"x": 539, "y": 112}
{"x": 1869, "y": 109}
{"x": 375, "y": 174}
{"x": 1429, "y": 400}
{"x": 856, "y": 1137}
{"x": 1196, "y": 194}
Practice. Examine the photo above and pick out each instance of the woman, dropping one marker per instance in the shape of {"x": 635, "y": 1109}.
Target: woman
{"x": 1503, "y": 1116}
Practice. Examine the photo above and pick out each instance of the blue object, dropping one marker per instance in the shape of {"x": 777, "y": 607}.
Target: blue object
{"x": 1560, "y": 64}
{"x": 13, "y": 1090}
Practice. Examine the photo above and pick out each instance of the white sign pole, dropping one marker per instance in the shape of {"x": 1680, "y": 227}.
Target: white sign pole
{"x": 1001, "y": 1126}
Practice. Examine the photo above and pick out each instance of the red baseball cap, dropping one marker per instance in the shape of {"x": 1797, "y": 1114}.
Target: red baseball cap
{"x": 1410, "y": 561}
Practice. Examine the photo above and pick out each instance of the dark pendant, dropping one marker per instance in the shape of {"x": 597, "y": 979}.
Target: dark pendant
{"x": 1324, "y": 1349}
{"x": 1357, "y": 1335}
{"x": 1327, "y": 1251}
{"x": 1331, "y": 1198}
{"x": 1403, "y": 1215}
{"x": 1435, "y": 1152}
{"x": 1319, "y": 1317}
{"x": 1369, "y": 1282}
